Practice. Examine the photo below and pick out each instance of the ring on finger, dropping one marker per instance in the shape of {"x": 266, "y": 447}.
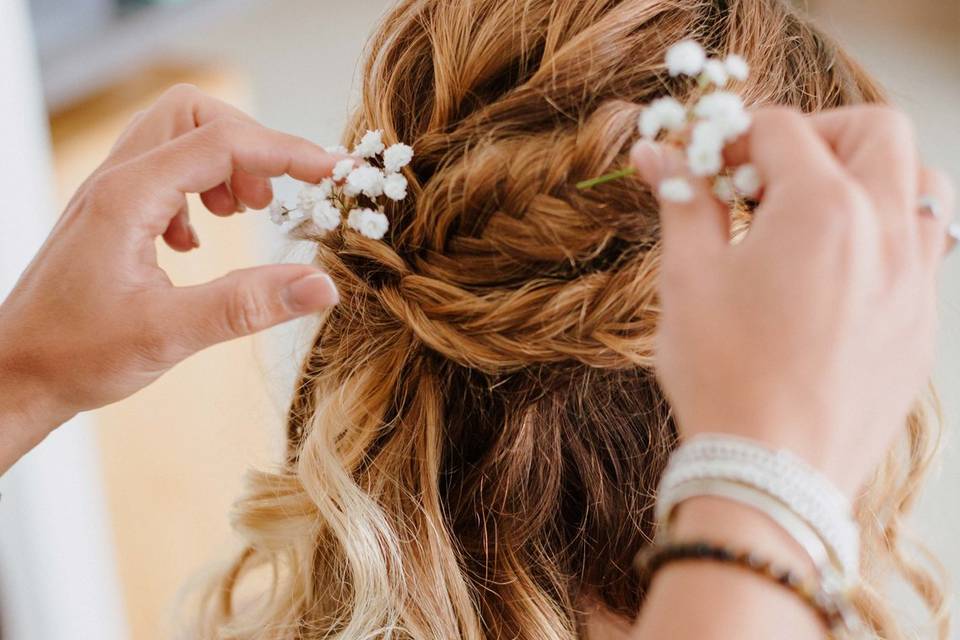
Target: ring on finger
{"x": 930, "y": 206}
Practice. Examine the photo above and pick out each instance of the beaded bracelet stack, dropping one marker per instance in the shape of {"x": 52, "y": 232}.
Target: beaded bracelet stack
{"x": 812, "y": 593}
{"x": 796, "y": 497}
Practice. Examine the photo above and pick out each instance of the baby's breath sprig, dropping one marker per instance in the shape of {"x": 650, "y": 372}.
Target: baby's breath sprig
{"x": 372, "y": 173}
{"x": 607, "y": 177}
{"x": 715, "y": 119}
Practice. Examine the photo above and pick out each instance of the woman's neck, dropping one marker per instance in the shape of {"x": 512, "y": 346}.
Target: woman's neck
{"x": 600, "y": 623}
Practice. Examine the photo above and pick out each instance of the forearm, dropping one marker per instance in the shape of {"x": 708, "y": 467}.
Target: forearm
{"x": 704, "y": 600}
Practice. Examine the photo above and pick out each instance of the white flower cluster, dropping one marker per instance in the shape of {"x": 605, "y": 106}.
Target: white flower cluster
{"x": 372, "y": 172}
{"x": 717, "y": 118}
{"x": 688, "y": 58}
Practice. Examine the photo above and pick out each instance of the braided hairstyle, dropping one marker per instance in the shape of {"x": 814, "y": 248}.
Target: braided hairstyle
{"x": 477, "y": 434}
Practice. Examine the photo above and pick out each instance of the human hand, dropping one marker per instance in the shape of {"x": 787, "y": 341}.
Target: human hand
{"x": 816, "y": 332}
{"x": 94, "y": 318}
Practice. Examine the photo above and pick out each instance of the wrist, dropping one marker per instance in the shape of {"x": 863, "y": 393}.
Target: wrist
{"x": 726, "y": 522}
{"x": 792, "y": 434}
{"x": 29, "y": 409}
{"x": 717, "y": 597}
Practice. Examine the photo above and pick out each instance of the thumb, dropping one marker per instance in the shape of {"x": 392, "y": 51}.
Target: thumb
{"x": 694, "y": 228}
{"x": 246, "y": 301}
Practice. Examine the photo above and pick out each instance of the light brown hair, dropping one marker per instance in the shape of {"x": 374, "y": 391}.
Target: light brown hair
{"x": 477, "y": 434}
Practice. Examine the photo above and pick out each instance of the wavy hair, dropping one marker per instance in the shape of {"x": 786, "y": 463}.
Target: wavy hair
{"x": 477, "y": 433}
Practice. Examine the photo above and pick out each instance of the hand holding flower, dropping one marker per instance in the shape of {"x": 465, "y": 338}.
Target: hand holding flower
{"x": 94, "y": 318}
{"x": 815, "y": 332}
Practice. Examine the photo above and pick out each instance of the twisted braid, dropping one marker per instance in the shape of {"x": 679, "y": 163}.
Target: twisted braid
{"x": 601, "y": 319}
{"x": 520, "y": 268}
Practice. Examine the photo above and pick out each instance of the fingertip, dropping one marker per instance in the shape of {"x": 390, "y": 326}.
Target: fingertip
{"x": 219, "y": 201}
{"x": 182, "y": 240}
{"x": 179, "y": 233}
{"x": 251, "y": 191}
{"x": 178, "y": 245}
{"x": 648, "y": 158}
{"x": 737, "y": 152}
{"x": 194, "y": 238}
{"x": 664, "y": 168}
{"x": 313, "y": 292}
{"x": 312, "y": 162}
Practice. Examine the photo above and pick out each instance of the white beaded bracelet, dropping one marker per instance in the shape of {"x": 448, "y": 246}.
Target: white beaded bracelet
{"x": 778, "y": 474}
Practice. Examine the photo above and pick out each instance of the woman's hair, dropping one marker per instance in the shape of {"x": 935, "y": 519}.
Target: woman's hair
{"x": 477, "y": 434}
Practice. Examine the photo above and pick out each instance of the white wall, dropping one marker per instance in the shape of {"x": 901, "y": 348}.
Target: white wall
{"x": 56, "y": 569}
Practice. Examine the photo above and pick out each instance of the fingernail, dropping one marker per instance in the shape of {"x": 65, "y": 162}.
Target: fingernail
{"x": 311, "y": 293}
{"x": 648, "y": 158}
{"x": 241, "y": 207}
{"x": 194, "y": 238}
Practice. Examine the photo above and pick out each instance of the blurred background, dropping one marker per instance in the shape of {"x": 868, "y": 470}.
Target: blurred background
{"x": 103, "y": 525}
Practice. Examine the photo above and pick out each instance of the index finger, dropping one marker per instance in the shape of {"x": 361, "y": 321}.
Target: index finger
{"x": 181, "y": 109}
{"x": 878, "y": 148}
{"x": 783, "y": 144}
{"x": 206, "y": 157}
{"x": 870, "y": 144}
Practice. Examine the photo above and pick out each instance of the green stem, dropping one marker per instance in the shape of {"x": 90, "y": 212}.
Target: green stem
{"x": 609, "y": 177}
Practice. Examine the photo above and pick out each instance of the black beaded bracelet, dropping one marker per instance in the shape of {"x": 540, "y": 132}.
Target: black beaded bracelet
{"x": 654, "y": 558}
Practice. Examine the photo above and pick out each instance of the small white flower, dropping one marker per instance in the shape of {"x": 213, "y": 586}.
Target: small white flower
{"x": 278, "y": 212}
{"x": 353, "y": 218}
{"x": 746, "y": 180}
{"x": 708, "y": 134}
{"x": 295, "y": 215}
{"x": 737, "y": 67}
{"x": 370, "y": 144}
{"x": 307, "y": 198}
{"x": 395, "y": 186}
{"x": 325, "y": 189}
{"x": 719, "y": 104}
{"x": 726, "y": 110}
{"x": 663, "y": 113}
{"x": 351, "y": 191}
{"x": 339, "y": 148}
{"x": 705, "y": 151}
{"x": 676, "y": 190}
{"x": 704, "y": 160}
{"x": 716, "y": 72}
{"x": 686, "y": 58}
{"x": 342, "y": 169}
{"x": 326, "y": 216}
{"x": 396, "y": 157}
{"x": 366, "y": 180}
{"x": 368, "y": 222}
{"x": 724, "y": 190}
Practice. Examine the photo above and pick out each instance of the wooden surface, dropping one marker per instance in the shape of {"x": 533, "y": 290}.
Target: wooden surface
{"x": 174, "y": 454}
